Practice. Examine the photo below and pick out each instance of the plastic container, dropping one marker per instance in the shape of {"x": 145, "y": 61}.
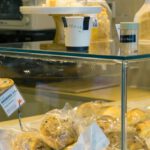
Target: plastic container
{"x": 101, "y": 31}
{"x": 128, "y": 38}
{"x": 143, "y": 18}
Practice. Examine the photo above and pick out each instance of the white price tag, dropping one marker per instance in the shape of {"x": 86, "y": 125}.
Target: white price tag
{"x": 11, "y": 100}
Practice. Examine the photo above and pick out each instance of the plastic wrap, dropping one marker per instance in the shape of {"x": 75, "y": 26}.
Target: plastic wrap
{"x": 30, "y": 141}
{"x": 101, "y": 32}
{"x": 58, "y": 126}
{"x": 6, "y": 136}
{"x": 89, "y": 109}
{"x": 143, "y": 18}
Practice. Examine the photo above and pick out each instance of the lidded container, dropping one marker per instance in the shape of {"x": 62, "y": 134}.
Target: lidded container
{"x": 128, "y": 38}
{"x": 103, "y": 29}
{"x": 143, "y": 18}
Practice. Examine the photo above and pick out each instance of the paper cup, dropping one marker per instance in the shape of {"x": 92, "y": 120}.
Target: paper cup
{"x": 77, "y": 30}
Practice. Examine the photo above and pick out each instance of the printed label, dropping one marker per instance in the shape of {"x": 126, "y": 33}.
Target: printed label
{"x": 127, "y": 38}
{"x": 11, "y": 100}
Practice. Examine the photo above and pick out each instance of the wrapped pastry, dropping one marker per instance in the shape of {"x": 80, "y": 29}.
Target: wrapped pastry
{"x": 59, "y": 129}
{"x": 136, "y": 115}
{"x": 143, "y": 129}
{"x": 89, "y": 109}
{"x": 29, "y": 141}
{"x": 113, "y": 111}
{"x": 107, "y": 123}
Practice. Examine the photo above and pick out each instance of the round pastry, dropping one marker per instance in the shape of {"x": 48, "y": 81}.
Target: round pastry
{"x": 5, "y": 83}
{"x": 29, "y": 141}
{"x": 107, "y": 123}
{"x": 89, "y": 109}
{"x": 58, "y": 129}
{"x": 136, "y": 115}
{"x": 143, "y": 129}
{"x": 113, "y": 111}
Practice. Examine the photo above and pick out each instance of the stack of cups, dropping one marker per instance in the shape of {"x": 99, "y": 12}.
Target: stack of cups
{"x": 77, "y": 31}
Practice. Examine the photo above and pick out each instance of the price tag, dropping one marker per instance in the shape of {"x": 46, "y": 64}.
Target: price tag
{"x": 11, "y": 100}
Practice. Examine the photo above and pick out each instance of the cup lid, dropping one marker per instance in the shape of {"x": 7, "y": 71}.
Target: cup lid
{"x": 129, "y": 25}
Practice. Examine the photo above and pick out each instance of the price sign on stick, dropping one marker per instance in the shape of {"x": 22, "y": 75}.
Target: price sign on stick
{"x": 11, "y": 100}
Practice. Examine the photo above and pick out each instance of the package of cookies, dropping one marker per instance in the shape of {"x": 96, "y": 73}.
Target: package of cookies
{"x": 59, "y": 127}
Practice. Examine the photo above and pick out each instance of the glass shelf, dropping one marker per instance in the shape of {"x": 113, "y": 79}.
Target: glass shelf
{"x": 36, "y": 49}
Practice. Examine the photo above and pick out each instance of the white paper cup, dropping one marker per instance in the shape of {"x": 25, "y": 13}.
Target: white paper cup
{"x": 77, "y": 30}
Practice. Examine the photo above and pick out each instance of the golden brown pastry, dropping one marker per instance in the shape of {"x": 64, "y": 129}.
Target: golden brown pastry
{"x": 136, "y": 115}
{"x": 5, "y": 83}
{"x": 29, "y": 141}
{"x": 143, "y": 129}
{"x": 107, "y": 123}
{"x": 58, "y": 129}
{"x": 89, "y": 109}
{"x": 113, "y": 111}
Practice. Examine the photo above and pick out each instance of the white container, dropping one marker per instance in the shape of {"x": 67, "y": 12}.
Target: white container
{"x": 77, "y": 31}
{"x": 128, "y": 38}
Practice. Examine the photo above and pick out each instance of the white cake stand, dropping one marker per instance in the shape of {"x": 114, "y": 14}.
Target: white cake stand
{"x": 57, "y": 13}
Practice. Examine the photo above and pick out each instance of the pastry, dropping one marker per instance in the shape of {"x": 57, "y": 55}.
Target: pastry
{"x": 113, "y": 111}
{"x": 5, "y": 83}
{"x": 51, "y": 3}
{"x": 107, "y": 123}
{"x": 136, "y": 115}
{"x": 143, "y": 129}
{"x": 89, "y": 109}
{"x": 144, "y": 30}
{"x": 29, "y": 141}
{"x": 58, "y": 129}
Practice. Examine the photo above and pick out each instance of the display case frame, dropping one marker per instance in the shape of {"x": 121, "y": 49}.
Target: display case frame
{"x": 124, "y": 62}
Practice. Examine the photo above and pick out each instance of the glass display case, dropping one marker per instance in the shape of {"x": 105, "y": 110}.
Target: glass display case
{"x": 49, "y": 79}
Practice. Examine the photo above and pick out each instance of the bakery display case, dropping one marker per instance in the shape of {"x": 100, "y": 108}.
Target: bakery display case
{"x": 77, "y": 89}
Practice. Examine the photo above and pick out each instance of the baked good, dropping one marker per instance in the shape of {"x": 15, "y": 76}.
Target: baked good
{"x": 144, "y": 30}
{"x": 114, "y": 111}
{"x": 143, "y": 129}
{"x": 29, "y": 141}
{"x": 135, "y": 115}
{"x": 5, "y": 83}
{"x": 103, "y": 30}
{"x": 51, "y": 3}
{"x": 107, "y": 123}
{"x": 89, "y": 109}
{"x": 60, "y": 130}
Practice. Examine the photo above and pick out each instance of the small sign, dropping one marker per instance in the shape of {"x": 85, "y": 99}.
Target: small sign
{"x": 11, "y": 100}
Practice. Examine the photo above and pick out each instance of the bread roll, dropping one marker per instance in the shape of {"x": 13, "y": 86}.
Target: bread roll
{"x": 89, "y": 109}
{"x": 113, "y": 111}
{"x": 136, "y": 115}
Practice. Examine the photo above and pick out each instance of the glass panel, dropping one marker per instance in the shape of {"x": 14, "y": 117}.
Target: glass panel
{"x": 138, "y": 104}
{"x": 51, "y": 82}
{"x": 43, "y": 48}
